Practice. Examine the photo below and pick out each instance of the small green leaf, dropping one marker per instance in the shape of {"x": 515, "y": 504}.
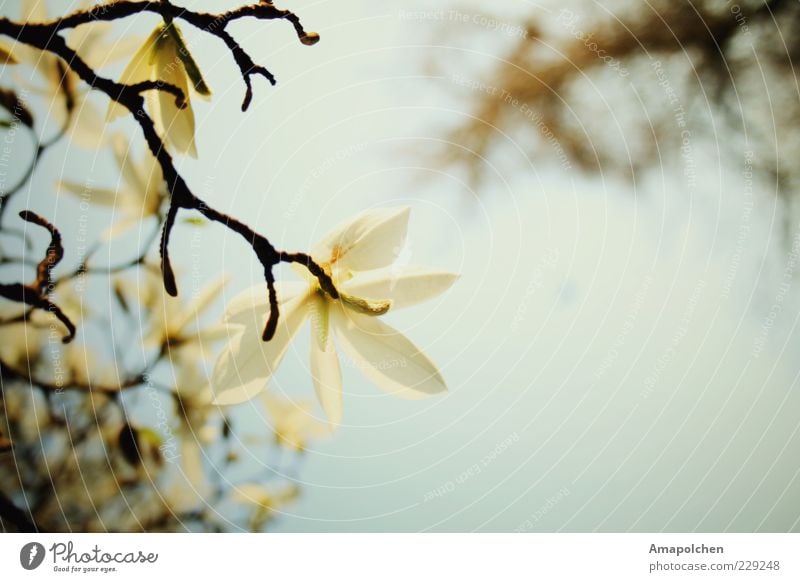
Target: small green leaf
{"x": 195, "y": 221}
{"x": 192, "y": 70}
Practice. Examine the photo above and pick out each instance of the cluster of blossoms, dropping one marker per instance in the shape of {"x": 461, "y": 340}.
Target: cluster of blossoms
{"x": 170, "y": 446}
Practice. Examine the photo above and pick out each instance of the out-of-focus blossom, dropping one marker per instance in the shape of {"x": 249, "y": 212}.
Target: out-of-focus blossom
{"x": 67, "y": 97}
{"x": 293, "y": 423}
{"x": 175, "y": 323}
{"x": 266, "y": 501}
{"x": 7, "y": 56}
{"x": 141, "y": 192}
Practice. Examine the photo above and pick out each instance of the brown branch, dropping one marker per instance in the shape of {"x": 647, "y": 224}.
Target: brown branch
{"x": 35, "y": 294}
{"x": 45, "y": 36}
{"x": 54, "y": 254}
{"x": 214, "y": 24}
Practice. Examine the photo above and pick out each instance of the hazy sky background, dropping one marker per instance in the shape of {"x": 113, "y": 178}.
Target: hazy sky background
{"x": 606, "y": 349}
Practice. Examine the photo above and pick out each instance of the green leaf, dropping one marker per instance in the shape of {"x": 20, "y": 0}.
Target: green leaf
{"x": 192, "y": 70}
{"x": 195, "y": 221}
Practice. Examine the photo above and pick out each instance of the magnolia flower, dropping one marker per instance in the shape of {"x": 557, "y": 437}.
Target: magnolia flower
{"x": 358, "y": 256}
{"x": 83, "y": 123}
{"x": 164, "y": 57}
{"x": 178, "y": 324}
{"x": 140, "y": 195}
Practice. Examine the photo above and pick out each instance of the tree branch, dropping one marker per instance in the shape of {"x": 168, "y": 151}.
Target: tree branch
{"x": 35, "y": 294}
{"x": 45, "y": 36}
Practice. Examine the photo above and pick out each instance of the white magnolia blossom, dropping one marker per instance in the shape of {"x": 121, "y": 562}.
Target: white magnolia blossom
{"x": 140, "y": 194}
{"x": 164, "y": 57}
{"x": 359, "y": 257}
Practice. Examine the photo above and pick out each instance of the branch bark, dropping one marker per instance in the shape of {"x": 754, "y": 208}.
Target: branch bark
{"x": 46, "y": 37}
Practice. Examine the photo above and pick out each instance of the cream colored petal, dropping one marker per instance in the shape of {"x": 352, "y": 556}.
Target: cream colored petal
{"x": 251, "y": 305}
{"x": 386, "y": 356}
{"x": 34, "y": 11}
{"x": 192, "y": 466}
{"x": 87, "y": 42}
{"x": 199, "y": 303}
{"x": 138, "y": 70}
{"x": 403, "y": 286}
{"x": 88, "y": 193}
{"x": 318, "y": 307}
{"x": 6, "y": 56}
{"x": 371, "y": 240}
{"x": 150, "y": 172}
{"x": 178, "y": 124}
{"x": 244, "y": 367}
{"x": 94, "y": 46}
{"x": 87, "y": 129}
{"x": 327, "y": 378}
{"x": 123, "y": 154}
{"x": 120, "y": 227}
{"x": 251, "y": 493}
{"x": 120, "y": 48}
{"x": 215, "y": 333}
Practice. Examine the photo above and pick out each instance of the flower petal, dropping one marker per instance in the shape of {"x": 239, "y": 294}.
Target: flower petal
{"x": 251, "y": 493}
{"x": 403, "y": 286}
{"x": 138, "y": 70}
{"x": 250, "y": 306}
{"x": 6, "y": 56}
{"x": 189, "y": 64}
{"x": 320, "y": 317}
{"x": 34, "y": 11}
{"x": 136, "y": 183}
{"x": 120, "y": 227}
{"x": 88, "y": 193}
{"x": 149, "y": 171}
{"x": 371, "y": 240}
{"x": 178, "y": 123}
{"x": 182, "y": 316}
{"x": 327, "y": 378}
{"x": 244, "y": 367}
{"x": 86, "y": 128}
{"x": 386, "y": 356}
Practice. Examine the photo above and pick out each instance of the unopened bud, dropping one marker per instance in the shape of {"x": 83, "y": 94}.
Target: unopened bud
{"x": 310, "y": 38}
